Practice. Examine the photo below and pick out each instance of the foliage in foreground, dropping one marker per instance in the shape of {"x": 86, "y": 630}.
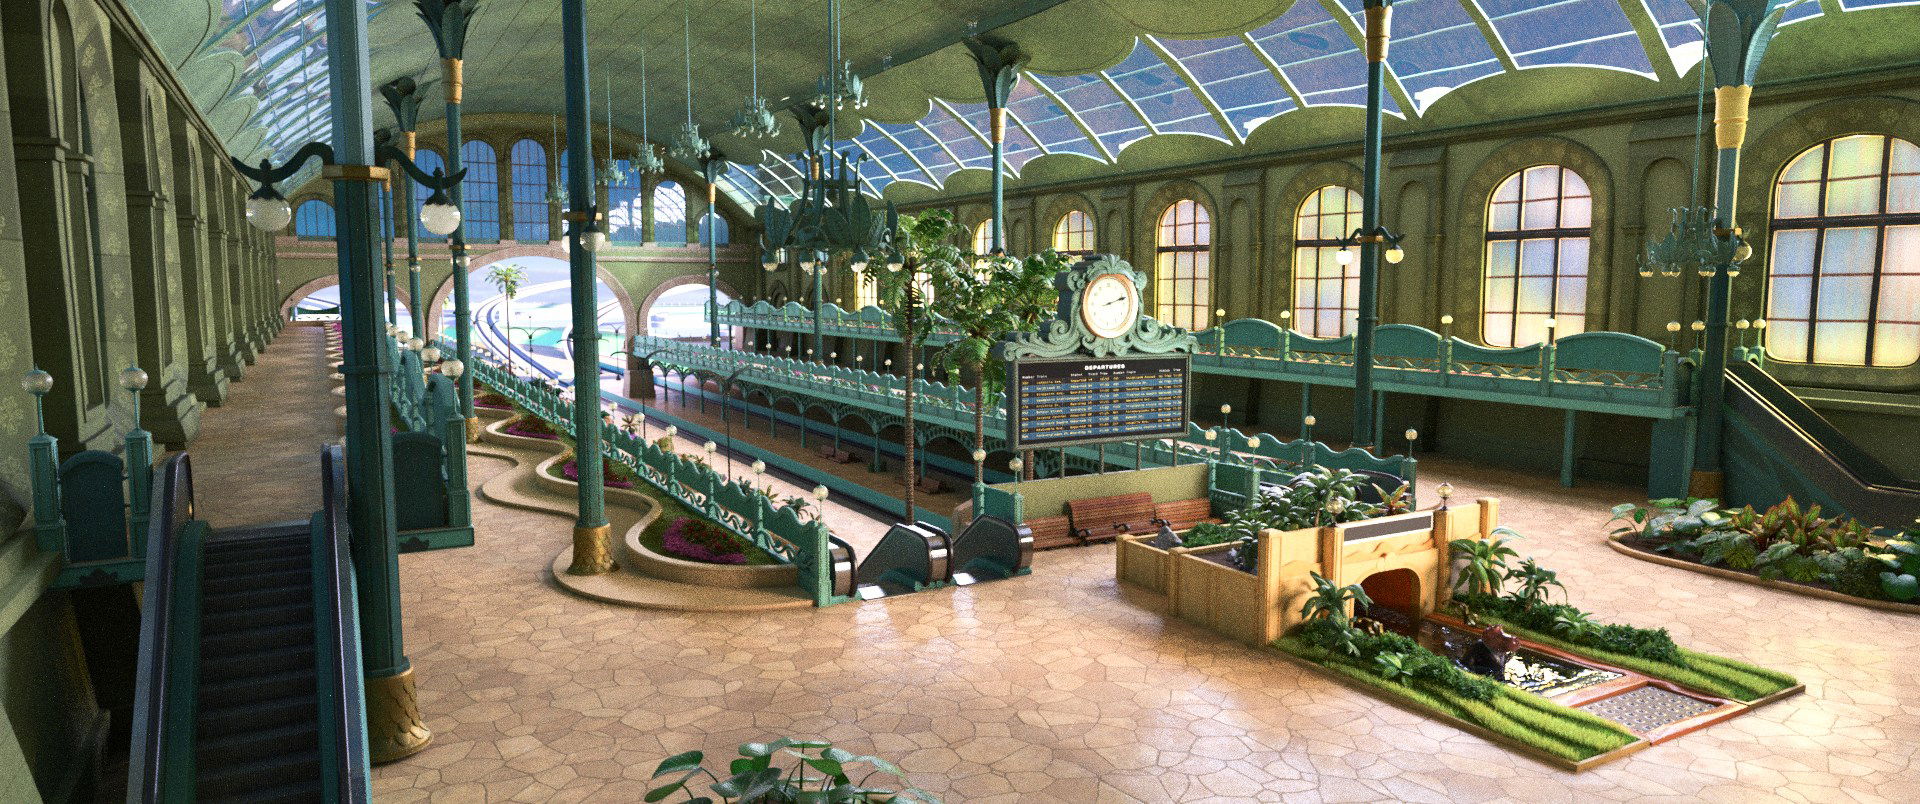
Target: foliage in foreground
{"x": 826, "y": 778}
{"x": 1521, "y": 716}
{"x": 1785, "y": 542}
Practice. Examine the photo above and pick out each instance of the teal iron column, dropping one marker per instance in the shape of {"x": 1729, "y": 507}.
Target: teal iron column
{"x": 999, "y": 64}
{"x": 394, "y": 726}
{"x": 1379, "y": 19}
{"x": 592, "y": 548}
{"x": 447, "y": 20}
{"x": 1738, "y": 32}
{"x": 710, "y": 169}
{"x": 403, "y": 98}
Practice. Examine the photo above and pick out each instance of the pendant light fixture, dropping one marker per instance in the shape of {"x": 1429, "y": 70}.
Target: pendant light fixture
{"x": 615, "y": 173}
{"x": 755, "y": 119}
{"x": 689, "y": 146}
{"x": 841, "y": 87}
{"x": 648, "y": 160}
{"x": 557, "y": 189}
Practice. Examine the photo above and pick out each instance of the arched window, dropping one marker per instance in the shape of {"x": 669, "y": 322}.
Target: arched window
{"x": 1843, "y": 283}
{"x": 1183, "y": 286}
{"x": 480, "y": 193}
{"x": 983, "y": 237}
{"x": 669, "y": 214}
{"x": 1326, "y": 294}
{"x": 625, "y": 213}
{"x": 314, "y": 218}
{"x": 1073, "y": 235}
{"x": 529, "y": 179}
{"x": 428, "y": 160}
{"x": 1539, "y": 229}
{"x": 713, "y": 229}
{"x": 866, "y": 292}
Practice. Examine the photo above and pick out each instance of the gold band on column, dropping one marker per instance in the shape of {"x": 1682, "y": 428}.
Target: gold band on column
{"x": 410, "y": 141}
{"x": 394, "y": 728}
{"x": 591, "y": 551}
{"x": 1730, "y": 115}
{"x": 473, "y": 429}
{"x": 452, "y": 68}
{"x": 998, "y": 115}
{"x": 1379, "y": 19}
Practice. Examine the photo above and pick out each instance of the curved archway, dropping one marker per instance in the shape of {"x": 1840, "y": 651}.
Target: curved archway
{"x": 1395, "y": 594}
{"x": 645, "y": 325}
{"x": 321, "y": 283}
{"x": 540, "y": 312}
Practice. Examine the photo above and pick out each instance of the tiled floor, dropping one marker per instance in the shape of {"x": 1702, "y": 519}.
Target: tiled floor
{"x": 1057, "y": 687}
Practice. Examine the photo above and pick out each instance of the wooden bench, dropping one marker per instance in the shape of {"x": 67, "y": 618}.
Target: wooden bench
{"x": 1102, "y": 519}
{"x": 1050, "y": 532}
{"x": 1184, "y": 514}
{"x": 836, "y": 455}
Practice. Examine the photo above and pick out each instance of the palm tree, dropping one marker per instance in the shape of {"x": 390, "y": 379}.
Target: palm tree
{"x": 925, "y": 246}
{"x": 1486, "y": 563}
{"x": 507, "y": 277}
{"x": 1331, "y": 601}
{"x": 986, "y": 297}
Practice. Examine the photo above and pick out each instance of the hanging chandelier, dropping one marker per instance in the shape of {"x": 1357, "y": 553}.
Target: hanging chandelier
{"x": 841, "y": 87}
{"x": 615, "y": 173}
{"x": 1695, "y": 240}
{"x": 557, "y": 189}
{"x": 689, "y": 145}
{"x": 647, "y": 160}
{"x": 754, "y": 118}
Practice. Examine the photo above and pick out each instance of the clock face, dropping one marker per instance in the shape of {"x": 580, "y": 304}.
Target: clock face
{"x": 1109, "y": 305}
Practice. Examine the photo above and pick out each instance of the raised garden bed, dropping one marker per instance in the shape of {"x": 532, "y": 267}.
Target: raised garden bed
{"x": 527, "y": 426}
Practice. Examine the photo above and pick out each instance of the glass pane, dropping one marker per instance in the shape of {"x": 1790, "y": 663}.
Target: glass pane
{"x": 1537, "y": 257}
{"x": 480, "y": 193}
{"x": 1840, "y": 343}
{"x": 1502, "y": 258}
{"x": 1903, "y": 189}
{"x": 1787, "y": 340}
{"x": 1499, "y": 329}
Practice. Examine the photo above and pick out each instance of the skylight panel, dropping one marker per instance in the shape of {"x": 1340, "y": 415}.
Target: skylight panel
{"x": 1679, "y": 31}
{"x": 1855, "y": 5}
{"x": 1807, "y": 11}
{"x": 1104, "y": 112}
{"x": 1592, "y": 33}
{"x": 1234, "y": 77}
{"x": 922, "y": 146}
{"x": 1316, "y": 55}
{"x": 1016, "y": 149}
{"x": 888, "y": 156}
{"x": 1437, "y": 48}
{"x": 958, "y": 137}
{"x": 1162, "y": 95}
{"x": 1049, "y": 123}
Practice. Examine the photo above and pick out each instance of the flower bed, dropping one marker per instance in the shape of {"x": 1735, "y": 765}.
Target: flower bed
{"x": 610, "y": 477}
{"x": 1786, "y": 545}
{"x": 697, "y": 540}
{"x": 531, "y": 427}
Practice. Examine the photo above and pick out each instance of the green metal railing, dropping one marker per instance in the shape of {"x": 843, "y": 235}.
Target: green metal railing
{"x": 736, "y": 505}
{"x": 340, "y": 683}
{"x": 1608, "y": 372}
{"x": 160, "y": 764}
{"x": 431, "y": 469}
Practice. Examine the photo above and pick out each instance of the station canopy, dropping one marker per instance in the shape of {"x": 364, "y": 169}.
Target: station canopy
{"x": 1108, "y": 83}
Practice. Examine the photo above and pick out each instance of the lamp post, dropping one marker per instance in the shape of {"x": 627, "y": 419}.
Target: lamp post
{"x": 711, "y": 164}
{"x": 403, "y": 98}
{"x": 447, "y": 20}
{"x": 42, "y": 456}
{"x": 394, "y": 726}
{"x": 1372, "y": 233}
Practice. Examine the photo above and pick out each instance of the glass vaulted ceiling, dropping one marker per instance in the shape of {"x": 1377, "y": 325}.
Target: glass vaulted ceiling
{"x": 283, "y": 45}
{"x": 1226, "y": 87}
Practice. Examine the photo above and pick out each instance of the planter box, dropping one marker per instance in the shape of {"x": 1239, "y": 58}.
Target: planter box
{"x": 1137, "y": 562}
{"x": 1222, "y": 598}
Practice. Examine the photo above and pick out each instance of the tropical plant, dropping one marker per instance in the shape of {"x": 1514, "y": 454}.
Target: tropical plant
{"x": 1901, "y": 578}
{"x": 1534, "y": 582}
{"x": 1395, "y": 666}
{"x": 826, "y": 778}
{"x": 1207, "y": 533}
{"x": 1668, "y": 518}
{"x": 986, "y": 297}
{"x": 507, "y": 276}
{"x": 1486, "y": 562}
{"x": 926, "y": 248}
{"x": 1330, "y": 601}
{"x": 1573, "y": 623}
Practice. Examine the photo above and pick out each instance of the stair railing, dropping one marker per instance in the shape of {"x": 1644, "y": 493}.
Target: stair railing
{"x": 160, "y": 763}
{"x": 340, "y": 686}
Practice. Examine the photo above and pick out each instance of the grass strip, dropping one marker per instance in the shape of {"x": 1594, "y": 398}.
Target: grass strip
{"x": 1521, "y": 716}
{"x": 1707, "y": 673}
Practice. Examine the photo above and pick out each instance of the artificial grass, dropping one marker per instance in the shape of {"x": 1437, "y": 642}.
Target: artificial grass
{"x": 1521, "y": 716}
{"x": 1715, "y": 675}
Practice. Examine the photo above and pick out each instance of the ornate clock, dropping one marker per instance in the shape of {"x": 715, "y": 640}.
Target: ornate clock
{"x": 1109, "y": 304}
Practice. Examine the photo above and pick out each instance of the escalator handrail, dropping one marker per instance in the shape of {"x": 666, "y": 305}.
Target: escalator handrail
{"x": 160, "y": 760}
{"x": 341, "y": 695}
{"x": 1810, "y": 425}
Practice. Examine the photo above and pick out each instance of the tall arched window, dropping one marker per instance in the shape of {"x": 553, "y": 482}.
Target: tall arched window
{"x": 625, "y": 213}
{"x": 529, "y": 180}
{"x": 1183, "y": 286}
{"x": 480, "y": 193}
{"x": 1326, "y": 294}
{"x": 1844, "y": 278}
{"x": 866, "y": 291}
{"x": 983, "y": 237}
{"x": 1539, "y": 229}
{"x": 669, "y": 214}
{"x": 314, "y": 218}
{"x": 428, "y": 160}
{"x": 713, "y": 229}
{"x": 1073, "y": 235}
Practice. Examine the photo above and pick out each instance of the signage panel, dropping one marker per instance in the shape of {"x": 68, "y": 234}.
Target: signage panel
{"x": 1088, "y": 400}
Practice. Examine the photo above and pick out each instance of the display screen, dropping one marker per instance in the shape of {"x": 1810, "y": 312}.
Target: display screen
{"x": 1057, "y": 403}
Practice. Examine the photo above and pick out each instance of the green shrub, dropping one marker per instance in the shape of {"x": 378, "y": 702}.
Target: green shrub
{"x": 1574, "y": 625}
{"x": 1207, "y": 533}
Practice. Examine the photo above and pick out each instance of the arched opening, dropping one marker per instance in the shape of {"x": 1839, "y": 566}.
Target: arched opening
{"x": 680, "y": 312}
{"x": 1396, "y": 598}
{"x": 324, "y": 305}
{"x": 532, "y": 328}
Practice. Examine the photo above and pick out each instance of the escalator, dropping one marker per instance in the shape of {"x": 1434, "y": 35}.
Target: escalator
{"x": 1777, "y": 446}
{"x": 249, "y": 686}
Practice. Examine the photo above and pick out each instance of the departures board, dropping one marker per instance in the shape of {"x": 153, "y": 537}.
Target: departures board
{"x": 1085, "y": 400}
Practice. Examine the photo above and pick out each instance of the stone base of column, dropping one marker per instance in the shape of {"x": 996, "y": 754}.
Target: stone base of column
{"x": 394, "y": 728}
{"x": 1707, "y": 485}
{"x": 592, "y": 551}
{"x": 473, "y": 429}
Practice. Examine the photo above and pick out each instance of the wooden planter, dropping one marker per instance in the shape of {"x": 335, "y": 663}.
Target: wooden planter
{"x": 1206, "y": 592}
{"x": 1137, "y": 562}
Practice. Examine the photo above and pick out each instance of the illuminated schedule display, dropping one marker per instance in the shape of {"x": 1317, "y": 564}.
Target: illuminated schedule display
{"x": 1058, "y": 403}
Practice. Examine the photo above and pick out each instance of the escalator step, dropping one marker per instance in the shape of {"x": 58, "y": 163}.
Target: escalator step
{"x": 255, "y": 551}
{"x": 217, "y": 584}
{"x": 291, "y": 527}
{"x": 229, "y": 620}
{"x": 254, "y": 599}
{"x": 247, "y": 770}
{"x": 265, "y": 563}
{"x": 224, "y": 718}
{"x": 253, "y": 689}
{"x": 258, "y": 663}
{"x": 256, "y": 640}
